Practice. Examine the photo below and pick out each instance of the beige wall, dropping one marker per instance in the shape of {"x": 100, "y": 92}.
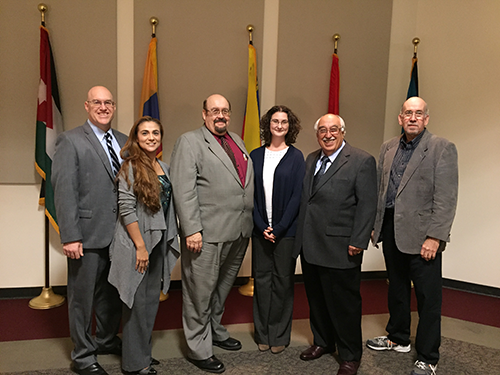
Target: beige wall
{"x": 202, "y": 49}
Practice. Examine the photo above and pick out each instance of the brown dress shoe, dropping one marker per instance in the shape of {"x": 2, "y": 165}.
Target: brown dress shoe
{"x": 348, "y": 368}
{"x": 313, "y": 352}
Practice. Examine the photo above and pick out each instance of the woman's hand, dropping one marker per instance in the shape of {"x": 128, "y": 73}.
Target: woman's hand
{"x": 142, "y": 259}
{"x": 268, "y": 235}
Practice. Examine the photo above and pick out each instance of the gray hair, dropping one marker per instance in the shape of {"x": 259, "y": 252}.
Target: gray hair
{"x": 342, "y": 123}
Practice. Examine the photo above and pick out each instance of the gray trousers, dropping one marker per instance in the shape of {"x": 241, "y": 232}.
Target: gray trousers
{"x": 207, "y": 278}
{"x": 138, "y": 321}
{"x": 89, "y": 290}
{"x": 274, "y": 269}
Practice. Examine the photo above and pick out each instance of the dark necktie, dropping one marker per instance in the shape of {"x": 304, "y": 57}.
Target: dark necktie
{"x": 115, "y": 164}
{"x": 324, "y": 162}
{"x": 225, "y": 145}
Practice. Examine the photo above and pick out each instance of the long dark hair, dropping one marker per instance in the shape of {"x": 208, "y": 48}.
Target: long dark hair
{"x": 146, "y": 184}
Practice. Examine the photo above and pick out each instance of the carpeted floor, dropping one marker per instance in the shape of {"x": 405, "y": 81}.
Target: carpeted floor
{"x": 457, "y": 358}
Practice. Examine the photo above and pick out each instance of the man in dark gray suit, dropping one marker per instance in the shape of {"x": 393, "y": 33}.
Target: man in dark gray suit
{"x": 337, "y": 212}
{"x": 86, "y": 161}
{"x": 212, "y": 182}
{"x": 418, "y": 188}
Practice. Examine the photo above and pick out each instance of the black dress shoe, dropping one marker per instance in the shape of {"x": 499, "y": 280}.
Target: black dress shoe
{"x": 116, "y": 350}
{"x": 154, "y": 362}
{"x": 313, "y": 352}
{"x": 93, "y": 369}
{"x": 229, "y": 344}
{"x": 145, "y": 371}
{"x": 211, "y": 364}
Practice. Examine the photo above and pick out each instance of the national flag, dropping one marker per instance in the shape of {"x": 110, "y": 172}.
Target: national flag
{"x": 48, "y": 125}
{"x": 251, "y": 122}
{"x": 149, "y": 94}
{"x": 333, "y": 98}
{"x": 413, "y": 87}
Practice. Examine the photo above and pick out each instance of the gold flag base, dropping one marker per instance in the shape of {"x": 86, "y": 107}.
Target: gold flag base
{"x": 163, "y": 296}
{"x": 247, "y": 289}
{"x": 46, "y": 300}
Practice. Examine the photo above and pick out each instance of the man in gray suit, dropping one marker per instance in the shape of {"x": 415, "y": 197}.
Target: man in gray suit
{"x": 336, "y": 216}
{"x": 83, "y": 176}
{"x": 418, "y": 188}
{"x": 212, "y": 182}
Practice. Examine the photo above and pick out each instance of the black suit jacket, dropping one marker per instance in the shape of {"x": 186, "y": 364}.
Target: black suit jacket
{"x": 339, "y": 211}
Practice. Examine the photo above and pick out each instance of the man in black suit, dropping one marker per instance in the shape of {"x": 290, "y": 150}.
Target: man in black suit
{"x": 85, "y": 194}
{"x": 337, "y": 212}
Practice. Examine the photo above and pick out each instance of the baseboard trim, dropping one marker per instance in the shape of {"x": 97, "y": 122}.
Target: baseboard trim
{"x": 16, "y": 293}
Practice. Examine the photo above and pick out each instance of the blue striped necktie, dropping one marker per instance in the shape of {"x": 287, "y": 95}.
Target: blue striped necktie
{"x": 114, "y": 159}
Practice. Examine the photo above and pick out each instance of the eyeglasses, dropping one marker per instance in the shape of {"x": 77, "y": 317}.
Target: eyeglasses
{"x": 216, "y": 111}
{"x": 333, "y": 130}
{"x": 277, "y": 122}
{"x": 98, "y": 103}
{"x": 419, "y": 115}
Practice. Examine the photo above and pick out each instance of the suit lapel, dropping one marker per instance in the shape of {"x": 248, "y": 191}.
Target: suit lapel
{"x": 218, "y": 151}
{"x": 339, "y": 161}
{"x": 388, "y": 159}
{"x": 98, "y": 148}
{"x": 417, "y": 158}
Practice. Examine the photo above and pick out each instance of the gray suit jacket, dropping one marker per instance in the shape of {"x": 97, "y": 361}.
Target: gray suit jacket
{"x": 427, "y": 196}
{"x": 339, "y": 212}
{"x": 85, "y": 192}
{"x": 207, "y": 191}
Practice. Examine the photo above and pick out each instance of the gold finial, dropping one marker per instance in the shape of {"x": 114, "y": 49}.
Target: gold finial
{"x": 250, "y": 30}
{"x": 153, "y": 21}
{"x": 42, "y": 8}
{"x": 415, "y": 42}
{"x": 335, "y": 38}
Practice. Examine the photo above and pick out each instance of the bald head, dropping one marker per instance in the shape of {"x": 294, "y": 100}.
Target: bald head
{"x": 100, "y": 107}
{"x": 414, "y": 117}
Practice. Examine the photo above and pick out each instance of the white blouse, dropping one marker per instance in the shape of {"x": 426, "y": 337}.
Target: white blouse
{"x": 271, "y": 161}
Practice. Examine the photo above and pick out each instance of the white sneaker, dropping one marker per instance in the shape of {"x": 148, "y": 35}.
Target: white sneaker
{"x": 422, "y": 368}
{"x": 383, "y": 343}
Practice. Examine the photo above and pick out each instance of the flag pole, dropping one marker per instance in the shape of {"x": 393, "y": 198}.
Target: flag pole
{"x": 248, "y": 288}
{"x": 154, "y": 21}
{"x": 47, "y": 299}
{"x": 335, "y": 38}
{"x": 415, "y": 42}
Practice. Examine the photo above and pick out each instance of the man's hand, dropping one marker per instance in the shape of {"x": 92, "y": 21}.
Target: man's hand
{"x": 429, "y": 248}
{"x": 268, "y": 235}
{"x": 353, "y": 250}
{"x": 73, "y": 250}
{"x": 194, "y": 242}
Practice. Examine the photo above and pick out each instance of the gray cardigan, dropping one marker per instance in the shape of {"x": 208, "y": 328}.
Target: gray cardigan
{"x": 122, "y": 251}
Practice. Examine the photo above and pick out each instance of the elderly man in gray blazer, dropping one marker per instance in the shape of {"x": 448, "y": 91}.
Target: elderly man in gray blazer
{"x": 85, "y": 162}
{"x": 212, "y": 182}
{"x": 336, "y": 216}
{"x": 417, "y": 198}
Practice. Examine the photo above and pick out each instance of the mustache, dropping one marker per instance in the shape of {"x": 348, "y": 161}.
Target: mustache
{"x": 220, "y": 119}
{"x": 328, "y": 139}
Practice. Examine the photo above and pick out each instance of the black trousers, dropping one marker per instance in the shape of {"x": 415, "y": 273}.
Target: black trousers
{"x": 427, "y": 280}
{"x": 274, "y": 268}
{"x": 335, "y": 308}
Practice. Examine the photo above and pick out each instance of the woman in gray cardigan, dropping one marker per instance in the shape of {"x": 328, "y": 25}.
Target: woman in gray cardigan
{"x": 145, "y": 246}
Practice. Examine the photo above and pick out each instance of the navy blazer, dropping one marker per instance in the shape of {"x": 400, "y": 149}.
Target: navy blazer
{"x": 287, "y": 189}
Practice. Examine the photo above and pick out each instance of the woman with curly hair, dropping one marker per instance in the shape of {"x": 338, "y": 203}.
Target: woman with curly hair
{"x": 279, "y": 170}
{"x": 145, "y": 247}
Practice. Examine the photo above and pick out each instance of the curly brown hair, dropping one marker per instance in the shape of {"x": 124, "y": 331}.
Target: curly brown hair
{"x": 146, "y": 183}
{"x": 293, "y": 125}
